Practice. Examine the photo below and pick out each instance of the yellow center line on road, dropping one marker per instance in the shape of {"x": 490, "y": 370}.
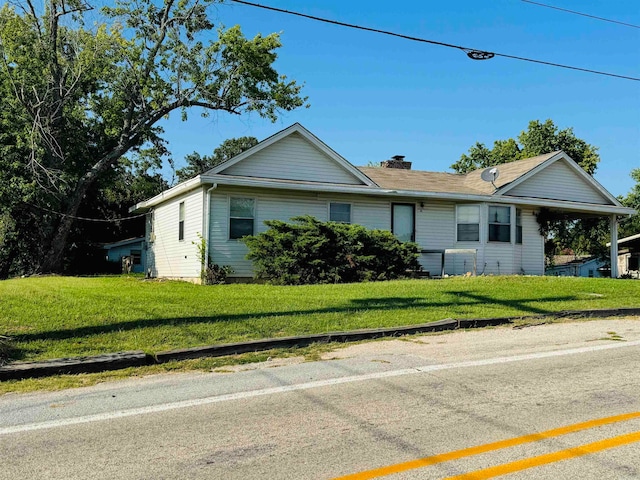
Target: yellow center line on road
{"x": 488, "y": 447}
{"x": 532, "y": 462}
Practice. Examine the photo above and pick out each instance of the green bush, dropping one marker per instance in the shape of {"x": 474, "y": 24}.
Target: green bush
{"x": 308, "y": 251}
{"x": 216, "y": 274}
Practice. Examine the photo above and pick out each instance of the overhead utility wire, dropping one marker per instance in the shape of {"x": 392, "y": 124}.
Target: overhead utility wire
{"x": 471, "y": 52}
{"x": 106, "y": 220}
{"x": 580, "y": 13}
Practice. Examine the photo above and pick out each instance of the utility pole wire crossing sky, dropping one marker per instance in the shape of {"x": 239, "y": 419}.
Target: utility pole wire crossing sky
{"x": 580, "y": 13}
{"x": 473, "y": 53}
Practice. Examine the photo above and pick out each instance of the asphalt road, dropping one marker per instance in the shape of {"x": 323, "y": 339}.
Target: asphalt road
{"x": 544, "y": 402}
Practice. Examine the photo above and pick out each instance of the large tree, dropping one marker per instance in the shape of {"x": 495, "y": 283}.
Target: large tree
{"x": 538, "y": 139}
{"x": 197, "y": 164}
{"x": 631, "y": 225}
{"x": 82, "y": 89}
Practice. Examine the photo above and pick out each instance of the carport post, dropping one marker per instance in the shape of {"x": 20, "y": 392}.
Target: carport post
{"x": 614, "y": 246}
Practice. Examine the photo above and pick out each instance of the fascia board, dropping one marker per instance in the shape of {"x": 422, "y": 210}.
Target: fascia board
{"x": 626, "y": 239}
{"x": 572, "y": 164}
{"x": 122, "y": 243}
{"x": 380, "y": 192}
{"x": 168, "y": 194}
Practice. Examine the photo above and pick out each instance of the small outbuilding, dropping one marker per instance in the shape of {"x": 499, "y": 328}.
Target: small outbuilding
{"x": 629, "y": 256}
{"x": 578, "y": 266}
{"x": 130, "y": 254}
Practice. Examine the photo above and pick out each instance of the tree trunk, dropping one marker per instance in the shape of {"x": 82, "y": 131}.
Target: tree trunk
{"x": 53, "y": 260}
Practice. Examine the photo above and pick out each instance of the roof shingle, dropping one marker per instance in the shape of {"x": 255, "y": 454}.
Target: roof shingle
{"x": 440, "y": 182}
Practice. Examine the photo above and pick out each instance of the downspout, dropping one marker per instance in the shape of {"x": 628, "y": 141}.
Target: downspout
{"x": 207, "y": 209}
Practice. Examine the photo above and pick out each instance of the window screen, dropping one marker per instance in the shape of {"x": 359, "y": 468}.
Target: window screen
{"x": 241, "y": 217}
{"x": 468, "y": 223}
{"x": 499, "y": 224}
{"x": 340, "y": 212}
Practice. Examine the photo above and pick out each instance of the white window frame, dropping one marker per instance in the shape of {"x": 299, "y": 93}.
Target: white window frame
{"x": 477, "y": 206}
{"x": 340, "y": 203}
{"x": 510, "y": 224}
{"x": 181, "y": 220}
{"x": 229, "y": 217}
{"x": 518, "y": 228}
{"x": 149, "y": 223}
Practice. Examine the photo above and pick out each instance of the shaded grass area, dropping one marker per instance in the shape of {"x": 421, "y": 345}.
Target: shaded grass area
{"x": 50, "y": 317}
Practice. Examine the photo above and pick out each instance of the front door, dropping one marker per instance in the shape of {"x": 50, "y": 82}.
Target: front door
{"x": 403, "y": 221}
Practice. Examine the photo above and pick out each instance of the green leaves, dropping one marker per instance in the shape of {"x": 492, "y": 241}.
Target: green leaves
{"x": 308, "y": 251}
{"x": 538, "y": 139}
{"x": 631, "y": 226}
{"x": 197, "y": 164}
{"x": 78, "y": 99}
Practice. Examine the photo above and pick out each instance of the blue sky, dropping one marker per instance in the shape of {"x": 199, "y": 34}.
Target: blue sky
{"x": 373, "y": 96}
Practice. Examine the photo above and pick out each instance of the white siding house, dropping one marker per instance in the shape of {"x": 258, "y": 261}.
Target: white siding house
{"x": 481, "y": 227}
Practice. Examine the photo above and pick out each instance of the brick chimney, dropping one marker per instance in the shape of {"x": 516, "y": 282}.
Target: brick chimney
{"x": 397, "y": 161}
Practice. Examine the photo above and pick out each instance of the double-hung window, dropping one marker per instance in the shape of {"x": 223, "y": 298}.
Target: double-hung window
{"x": 468, "y": 223}
{"x": 241, "y": 213}
{"x": 340, "y": 212}
{"x": 499, "y": 224}
{"x": 518, "y": 225}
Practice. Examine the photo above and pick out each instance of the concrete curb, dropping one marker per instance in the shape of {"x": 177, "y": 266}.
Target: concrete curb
{"x": 61, "y": 366}
{"x": 116, "y": 361}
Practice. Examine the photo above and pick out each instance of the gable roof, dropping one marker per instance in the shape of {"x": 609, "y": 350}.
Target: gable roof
{"x": 552, "y": 158}
{"x": 471, "y": 182}
{"x": 511, "y": 175}
{"x": 264, "y": 171}
{"x": 296, "y": 128}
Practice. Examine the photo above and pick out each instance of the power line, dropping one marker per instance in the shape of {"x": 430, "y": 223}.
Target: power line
{"x": 472, "y": 53}
{"x": 580, "y": 13}
{"x": 106, "y": 220}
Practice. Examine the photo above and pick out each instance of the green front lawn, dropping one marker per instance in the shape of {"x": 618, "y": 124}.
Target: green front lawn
{"x": 51, "y": 317}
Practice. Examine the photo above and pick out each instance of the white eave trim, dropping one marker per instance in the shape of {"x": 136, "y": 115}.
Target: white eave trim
{"x": 179, "y": 189}
{"x": 380, "y": 192}
{"x": 569, "y": 161}
{"x": 315, "y": 141}
{"x": 626, "y": 239}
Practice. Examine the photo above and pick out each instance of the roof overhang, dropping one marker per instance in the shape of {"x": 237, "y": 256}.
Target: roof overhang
{"x": 209, "y": 179}
{"x": 380, "y": 192}
{"x": 122, "y": 243}
{"x": 173, "y": 192}
{"x": 632, "y": 240}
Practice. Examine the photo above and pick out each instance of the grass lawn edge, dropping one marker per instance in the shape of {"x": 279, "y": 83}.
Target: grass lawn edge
{"x": 124, "y": 360}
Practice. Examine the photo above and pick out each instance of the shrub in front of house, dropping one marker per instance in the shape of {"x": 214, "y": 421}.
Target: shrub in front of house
{"x": 308, "y": 251}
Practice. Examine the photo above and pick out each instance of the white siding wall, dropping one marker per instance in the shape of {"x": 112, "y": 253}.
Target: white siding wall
{"x": 435, "y": 229}
{"x": 532, "y": 256}
{"x": 559, "y": 181}
{"x": 293, "y": 158}
{"x": 168, "y": 256}
{"x": 270, "y": 205}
